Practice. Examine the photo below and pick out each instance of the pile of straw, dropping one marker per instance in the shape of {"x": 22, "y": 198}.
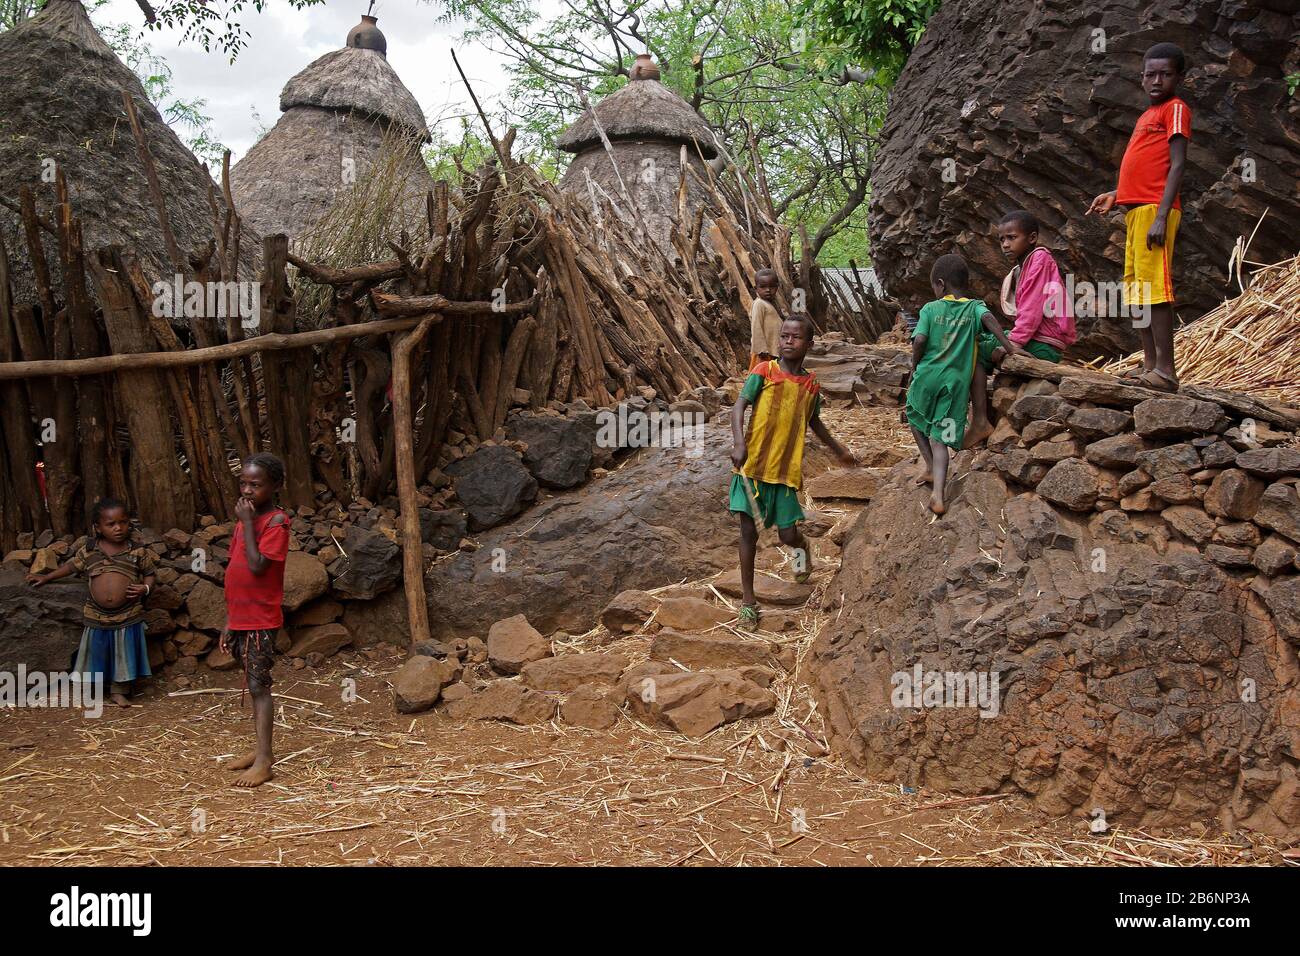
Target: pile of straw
{"x": 1249, "y": 344}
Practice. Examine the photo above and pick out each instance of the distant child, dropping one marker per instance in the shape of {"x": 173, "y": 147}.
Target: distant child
{"x": 120, "y": 575}
{"x": 254, "y": 593}
{"x": 1149, "y": 179}
{"x": 944, "y": 352}
{"x": 1034, "y": 295}
{"x": 768, "y": 459}
{"x": 764, "y": 320}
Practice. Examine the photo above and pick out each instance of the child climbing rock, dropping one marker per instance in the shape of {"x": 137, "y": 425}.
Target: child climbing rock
{"x": 1035, "y": 297}
{"x": 944, "y": 353}
{"x": 254, "y": 594}
{"x": 120, "y": 573}
{"x": 768, "y": 459}
{"x": 1149, "y": 179}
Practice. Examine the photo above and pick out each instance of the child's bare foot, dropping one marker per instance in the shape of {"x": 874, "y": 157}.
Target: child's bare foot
{"x": 936, "y": 503}
{"x": 119, "y": 699}
{"x": 256, "y": 775}
{"x": 977, "y": 434}
{"x": 242, "y": 763}
{"x": 925, "y": 478}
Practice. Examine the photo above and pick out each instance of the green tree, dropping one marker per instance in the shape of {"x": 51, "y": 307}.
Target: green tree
{"x": 877, "y": 33}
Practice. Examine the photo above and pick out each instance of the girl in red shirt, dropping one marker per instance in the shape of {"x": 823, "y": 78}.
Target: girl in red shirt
{"x": 254, "y": 594}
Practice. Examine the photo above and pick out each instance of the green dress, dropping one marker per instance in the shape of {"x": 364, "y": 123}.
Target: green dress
{"x": 939, "y": 394}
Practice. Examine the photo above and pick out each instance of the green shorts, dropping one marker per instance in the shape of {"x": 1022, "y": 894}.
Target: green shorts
{"x": 1039, "y": 350}
{"x": 777, "y": 504}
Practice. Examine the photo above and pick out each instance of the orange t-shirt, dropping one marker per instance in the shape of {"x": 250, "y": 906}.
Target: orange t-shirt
{"x": 1145, "y": 167}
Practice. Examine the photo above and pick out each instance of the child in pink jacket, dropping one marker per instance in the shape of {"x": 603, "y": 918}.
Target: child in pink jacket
{"x": 1035, "y": 297}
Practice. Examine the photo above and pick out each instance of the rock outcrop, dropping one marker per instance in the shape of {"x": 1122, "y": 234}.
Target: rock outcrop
{"x": 1029, "y": 104}
{"x": 1100, "y": 630}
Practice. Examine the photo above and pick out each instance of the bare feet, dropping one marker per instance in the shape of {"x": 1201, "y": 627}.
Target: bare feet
{"x": 119, "y": 699}
{"x": 925, "y": 478}
{"x": 936, "y": 503}
{"x": 244, "y": 762}
{"x": 977, "y": 434}
{"x": 256, "y": 775}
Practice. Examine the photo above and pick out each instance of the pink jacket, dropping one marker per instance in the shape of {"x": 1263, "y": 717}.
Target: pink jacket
{"x": 1042, "y": 308}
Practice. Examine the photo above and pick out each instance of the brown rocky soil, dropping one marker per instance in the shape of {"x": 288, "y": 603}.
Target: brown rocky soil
{"x": 358, "y": 783}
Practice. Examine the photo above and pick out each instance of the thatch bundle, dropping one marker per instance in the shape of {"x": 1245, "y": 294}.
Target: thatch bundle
{"x": 1248, "y": 344}
{"x": 340, "y": 114}
{"x": 61, "y": 110}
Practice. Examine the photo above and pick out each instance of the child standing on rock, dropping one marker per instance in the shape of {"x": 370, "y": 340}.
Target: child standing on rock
{"x": 1150, "y": 176}
{"x": 1035, "y": 297}
{"x": 764, "y": 320}
{"x": 120, "y": 575}
{"x": 945, "y": 346}
{"x": 768, "y": 459}
{"x": 254, "y": 595}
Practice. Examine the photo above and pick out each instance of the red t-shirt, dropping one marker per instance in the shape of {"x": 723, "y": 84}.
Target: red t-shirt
{"x": 1145, "y": 167}
{"x": 253, "y": 600}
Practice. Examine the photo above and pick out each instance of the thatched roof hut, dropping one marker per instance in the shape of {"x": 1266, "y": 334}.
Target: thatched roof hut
{"x": 647, "y": 125}
{"x": 338, "y": 113}
{"x": 61, "y": 99}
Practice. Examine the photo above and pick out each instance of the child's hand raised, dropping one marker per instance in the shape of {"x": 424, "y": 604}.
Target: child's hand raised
{"x": 244, "y": 510}
{"x": 1102, "y": 204}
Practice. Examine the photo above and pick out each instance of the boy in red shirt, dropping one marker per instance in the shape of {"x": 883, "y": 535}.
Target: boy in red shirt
{"x": 1149, "y": 178}
{"x": 254, "y": 593}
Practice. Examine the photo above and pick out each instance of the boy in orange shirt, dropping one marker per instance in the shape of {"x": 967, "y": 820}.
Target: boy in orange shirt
{"x": 1149, "y": 178}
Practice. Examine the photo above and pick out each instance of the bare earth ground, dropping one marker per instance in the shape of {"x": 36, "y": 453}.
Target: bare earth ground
{"x": 357, "y": 784}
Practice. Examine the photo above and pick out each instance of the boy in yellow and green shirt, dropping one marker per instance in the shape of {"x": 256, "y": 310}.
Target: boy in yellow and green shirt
{"x": 768, "y": 459}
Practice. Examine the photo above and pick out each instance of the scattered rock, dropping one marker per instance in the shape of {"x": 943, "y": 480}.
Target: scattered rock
{"x": 702, "y": 651}
{"x": 568, "y": 671}
{"x": 559, "y": 449}
{"x": 1119, "y": 451}
{"x": 1094, "y": 424}
{"x": 692, "y": 614}
{"x": 1274, "y": 555}
{"x": 1279, "y": 509}
{"x": 628, "y": 611}
{"x": 592, "y": 706}
{"x": 444, "y": 528}
{"x": 1192, "y": 523}
{"x": 1271, "y": 463}
{"x": 325, "y": 611}
{"x": 1229, "y": 557}
{"x": 324, "y": 639}
{"x": 305, "y": 579}
{"x": 1176, "y": 489}
{"x": 1170, "y": 460}
{"x": 1234, "y": 494}
{"x": 696, "y": 703}
{"x": 206, "y": 604}
{"x": 514, "y": 642}
{"x": 1040, "y": 408}
{"x": 1239, "y": 534}
{"x": 506, "y": 700}
{"x": 418, "y": 683}
{"x": 767, "y": 589}
{"x": 857, "y": 484}
{"x": 1072, "y": 483}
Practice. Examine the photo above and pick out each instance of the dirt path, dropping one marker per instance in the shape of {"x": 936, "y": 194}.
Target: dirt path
{"x": 358, "y": 784}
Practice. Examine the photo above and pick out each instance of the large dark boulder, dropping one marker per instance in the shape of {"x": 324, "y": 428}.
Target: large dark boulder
{"x": 372, "y": 564}
{"x": 559, "y": 449}
{"x": 1029, "y": 104}
{"x": 1133, "y": 674}
{"x": 660, "y": 518}
{"x": 39, "y": 627}
{"x": 493, "y": 485}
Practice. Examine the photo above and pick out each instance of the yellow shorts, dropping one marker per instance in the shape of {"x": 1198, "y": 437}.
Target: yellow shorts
{"x": 1148, "y": 273}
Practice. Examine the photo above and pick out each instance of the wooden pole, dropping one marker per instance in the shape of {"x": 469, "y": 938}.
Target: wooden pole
{"x": 417, "y": 609}
{"x": 273, "y": 342}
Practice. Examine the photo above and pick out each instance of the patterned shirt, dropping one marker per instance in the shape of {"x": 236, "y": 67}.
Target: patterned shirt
{"x": 784, "y": 405}
{"x": 135, "y": 563}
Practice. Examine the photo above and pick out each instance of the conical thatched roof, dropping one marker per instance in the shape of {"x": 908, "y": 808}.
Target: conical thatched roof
{"x": 339, "y": 113}
{"x": 61, "y": 98}
{"x": 645, "y": 109}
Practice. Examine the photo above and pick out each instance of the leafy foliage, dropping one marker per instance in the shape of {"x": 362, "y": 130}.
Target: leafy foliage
{"x": 878, "y": 32}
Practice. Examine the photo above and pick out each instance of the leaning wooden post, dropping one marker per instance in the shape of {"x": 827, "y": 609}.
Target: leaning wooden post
{"x": 417, "y": 610}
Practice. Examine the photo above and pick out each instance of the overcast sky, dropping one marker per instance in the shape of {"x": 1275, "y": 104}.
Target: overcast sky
{"x": 283, "y": 41}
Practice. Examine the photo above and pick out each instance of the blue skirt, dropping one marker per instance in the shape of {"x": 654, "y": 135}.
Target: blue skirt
{"x": 120, "y": 654}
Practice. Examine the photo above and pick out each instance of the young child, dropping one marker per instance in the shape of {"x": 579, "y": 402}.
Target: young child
{"x": 764, "y": 320}
{"x": 944, "y": 353}
{"x": 120, "y": 575}
{"x": 768, "y": 459}
{"x": 254, "y": 593}
{"x": 1149, "y": 179}
{"x": 1035, "y": 297}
